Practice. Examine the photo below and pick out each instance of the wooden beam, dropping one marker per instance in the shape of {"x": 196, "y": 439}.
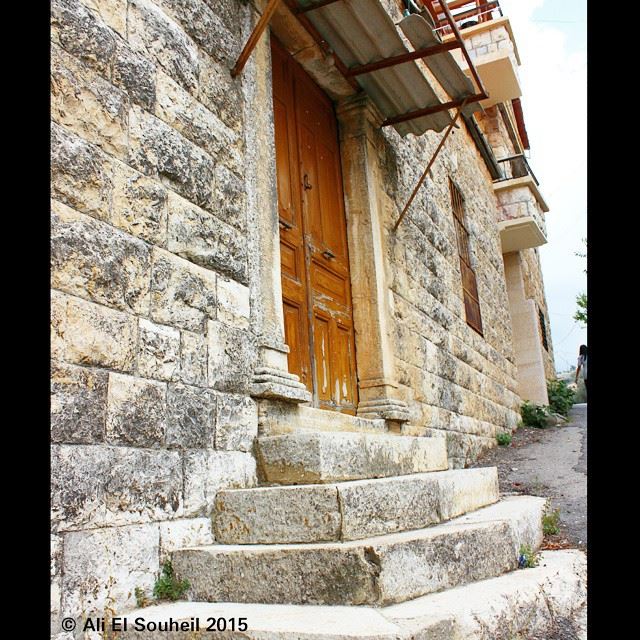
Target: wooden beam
{"x": 254, "y": 37}
{"x": 403, "y": 57}
{"x": 433, "y": 159}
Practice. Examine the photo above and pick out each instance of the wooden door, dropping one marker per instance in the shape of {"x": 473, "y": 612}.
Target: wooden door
{"x": 313, "y": 240}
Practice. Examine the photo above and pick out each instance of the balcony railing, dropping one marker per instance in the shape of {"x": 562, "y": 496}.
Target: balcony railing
{"x": 515, "y": 167}
{"x": 466, "y": 13}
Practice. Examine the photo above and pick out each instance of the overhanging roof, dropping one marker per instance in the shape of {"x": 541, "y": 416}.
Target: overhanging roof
{"x": 361, "y": 32}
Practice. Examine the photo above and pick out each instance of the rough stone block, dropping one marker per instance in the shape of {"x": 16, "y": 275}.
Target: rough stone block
{"x": 83, "y": 34}
{"x": 112, "y": 12}
{"x": 207, "y": 472}
{"x": 232, "y": 356}
{"x": 206, "y": 240}
{"x": 230, "y": 197}
{"x": 193, "y": 358}
{"x": 81, "y": 176}
{"x": 220, "y": 93}
{"x": 303, "y": 458}
{"x": 102, "y": 568}
{"x": 102, "y": 486}
{"x": 236, "y": 422}
{"x": 182, "y": 294}
{"x": 179, "y": 534}
{"x": 87, "y": 104}
{"x": 191, "y": 416}
{"x": 136, "y": 411}
{"x": 90, "y": 334}
{"x": 156, "y": 149}
{"x": 78, "y": 404}
{"x": 159, "y": 356}
{"x": 233, "y": 303}
{"x": 153, "y": 33}
{"x": 92, "y": 259}
{"x": 139, "y": 206}
{"x": 136, "y": 75}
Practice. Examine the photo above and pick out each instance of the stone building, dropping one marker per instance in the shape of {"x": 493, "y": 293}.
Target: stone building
{"x": 232, "y": 302}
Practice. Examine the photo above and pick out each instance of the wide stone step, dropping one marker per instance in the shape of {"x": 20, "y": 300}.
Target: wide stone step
{"x": 523, "y": 603}
{"x": 325, "y": 457}
{"x": 375, "y": 571}
{"x": 350, "y": 510}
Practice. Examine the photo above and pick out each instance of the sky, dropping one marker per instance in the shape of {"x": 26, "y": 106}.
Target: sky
{"x": 551, "y": 40}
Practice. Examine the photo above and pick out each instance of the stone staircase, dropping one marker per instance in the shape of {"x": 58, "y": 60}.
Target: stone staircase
{"x": 374, "y": 520}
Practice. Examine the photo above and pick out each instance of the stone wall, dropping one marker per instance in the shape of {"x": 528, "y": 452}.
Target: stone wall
{"x": 153, "y": 331}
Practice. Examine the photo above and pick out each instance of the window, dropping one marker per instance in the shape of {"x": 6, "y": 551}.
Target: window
{"x": 469, "y": 285}
{"x": 543, "y": 329}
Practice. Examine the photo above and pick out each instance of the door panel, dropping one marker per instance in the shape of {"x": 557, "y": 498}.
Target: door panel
{"x": 313, "y": 244}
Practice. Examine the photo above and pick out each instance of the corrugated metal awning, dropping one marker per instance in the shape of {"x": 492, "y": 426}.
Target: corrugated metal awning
{"x": 361, "y": 32}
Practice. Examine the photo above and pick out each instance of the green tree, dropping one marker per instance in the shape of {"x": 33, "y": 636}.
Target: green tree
{"x": 581, "y": 299}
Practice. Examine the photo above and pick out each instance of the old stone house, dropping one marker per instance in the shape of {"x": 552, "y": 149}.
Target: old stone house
{"x": 235, "y": 304}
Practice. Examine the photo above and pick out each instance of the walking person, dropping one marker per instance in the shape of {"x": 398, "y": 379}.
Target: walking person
{"x": 582, "y": 365}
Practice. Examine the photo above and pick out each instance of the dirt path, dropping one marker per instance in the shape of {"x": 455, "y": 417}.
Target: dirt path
{"x": 550, "y": 462}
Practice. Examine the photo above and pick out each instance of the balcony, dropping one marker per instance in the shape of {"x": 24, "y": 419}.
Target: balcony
{"x": 521, "y": 207}
{"x": 489, "y": 40}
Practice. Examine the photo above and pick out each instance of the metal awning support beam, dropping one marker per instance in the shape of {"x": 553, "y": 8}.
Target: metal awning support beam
{"x": 313, "y": 7}
{"x": 433, "y": 159}
{"x": 403, "y": 57}
{"x": 419, "y": 113}
{"x": 272, "y": 5}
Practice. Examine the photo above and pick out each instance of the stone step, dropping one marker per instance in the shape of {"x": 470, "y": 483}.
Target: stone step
{"x": 375, "y": 571}
{"x": 523, "y": 603}
{"x": 325, "y": 457}
{"x": 350, "y": 510}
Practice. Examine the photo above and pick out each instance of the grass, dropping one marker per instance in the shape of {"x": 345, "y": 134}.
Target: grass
{"x": 527, "y": 558}
{"x": 551, "y": 523}
{"x": 167, "y": 586}
{"x": 504, "y": 438}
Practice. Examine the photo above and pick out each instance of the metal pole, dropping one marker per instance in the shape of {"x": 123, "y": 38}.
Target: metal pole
{"x": 254, "y": 37}
{"x": 426, "y": 171}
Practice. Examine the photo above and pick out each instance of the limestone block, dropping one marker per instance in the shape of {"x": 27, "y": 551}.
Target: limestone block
{"x": 136, "y": 411}
{"x": 102, "y": 486}
{"x": 78, "y": 404}
{"x": 83, "y": 34}
{"x": 236, "y": 422}
{"x": 153, "y": 33}
{"x": 193, "y": 358}
{"x": 230, "y": 198}
{"x": 233, "y": 303}
{"x": 112, "y": 12}
{"x": 55, "y": 550}
{"x": 139, "y": 206}
{"x": 206, "y": 240}
{"x": 207, "y": 472}
{"x": 102, "y": 568}
{"x": 156, "y": 149}
{"x": 87, "y": 104}
{"x": 159, "y": 356}
{"x": 92, "y": 259}
{"x": 191, "y": 416}
{"x": 179, "y": 534}
{"x": 232, "y": 357}
{"x": 220, "y": 93}
{"x": 206, "y": 28}
{"x": 90, "y": 334}
{"x": 304, "y": 458}
{"x": 136, "y": 75}
{"x": 81, "y": 176}
{"x": 182, "y": 294}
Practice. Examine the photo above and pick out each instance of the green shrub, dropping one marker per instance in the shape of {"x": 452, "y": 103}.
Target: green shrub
{"x": 167, "y": 587}
{"x": 141, "y": 597}
{"x": 504, "y": 438}
{"x": 534, "y": 415}
{"x": 551, "y": 523}
{"x": 527, "y": 558}
{"x": 561, "y": 398}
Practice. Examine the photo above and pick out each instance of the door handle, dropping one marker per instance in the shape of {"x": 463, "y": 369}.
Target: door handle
{"x": 328, "y": 254}
{"x": 305, "y": 183}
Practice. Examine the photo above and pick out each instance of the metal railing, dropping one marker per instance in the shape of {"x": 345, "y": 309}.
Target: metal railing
{"x": 518, "y": 167}
{"x": 466, "y": 13}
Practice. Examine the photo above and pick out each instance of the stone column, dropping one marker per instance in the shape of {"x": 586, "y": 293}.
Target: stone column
{"x": 378, "y": 389}
{"x": 271, "y": 377}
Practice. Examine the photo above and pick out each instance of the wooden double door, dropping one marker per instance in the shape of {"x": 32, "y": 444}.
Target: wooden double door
{"x": 316, "y": 287}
